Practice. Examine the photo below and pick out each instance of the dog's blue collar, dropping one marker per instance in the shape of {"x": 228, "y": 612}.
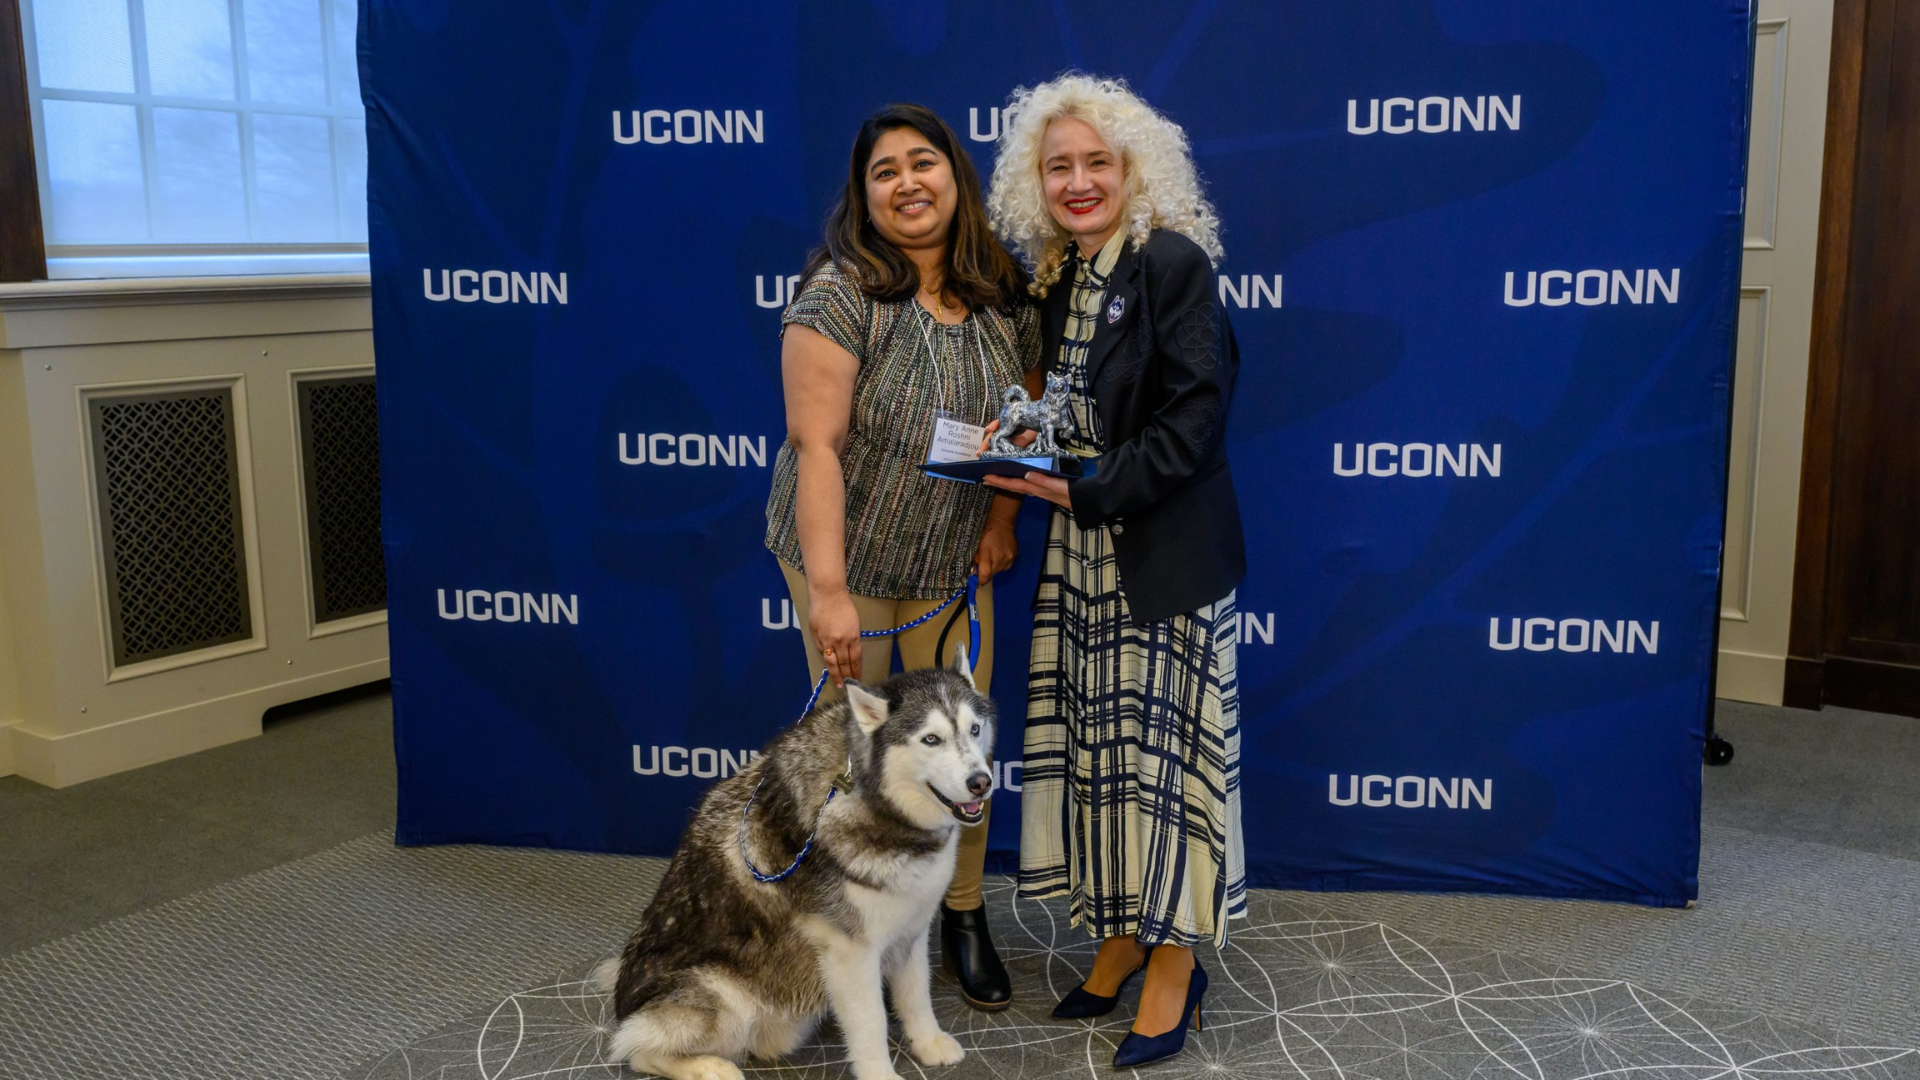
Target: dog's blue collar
{"x": 805, "y": 849}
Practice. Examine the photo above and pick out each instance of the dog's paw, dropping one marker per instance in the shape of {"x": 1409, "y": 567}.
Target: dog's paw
{"x": 711, "y": 1068}
{"x": 939, "y": 1048}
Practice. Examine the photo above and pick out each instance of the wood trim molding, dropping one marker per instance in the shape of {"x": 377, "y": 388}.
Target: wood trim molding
{"x": 1874, "y": 687}
{"x": 1833, "y": 255}
{"x": 23, "y": 251}
{"x": 124, "y": 292}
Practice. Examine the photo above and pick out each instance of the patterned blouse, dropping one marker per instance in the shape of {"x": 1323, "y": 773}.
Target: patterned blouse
{"x": 909, "y": 536}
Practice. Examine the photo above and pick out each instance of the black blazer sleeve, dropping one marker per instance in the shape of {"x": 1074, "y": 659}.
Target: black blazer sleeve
{"x": 1195, "y": 362}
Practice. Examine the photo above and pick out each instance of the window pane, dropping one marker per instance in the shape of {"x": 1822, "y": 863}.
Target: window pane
{"x": 190, "y": 48}
{"x": 346, "y": 70}
{"x": 198, "y": 196}
{"x": 293, "y": 178}
{"x": 93, "y": 168}
{"x": 352, "y": 135}
{"x": 83, "y": 44}
{"x": 284, "y": 59}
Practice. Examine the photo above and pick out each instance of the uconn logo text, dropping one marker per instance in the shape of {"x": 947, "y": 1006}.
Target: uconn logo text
{"x": 1410, "y": 792}
{"x": 1591, "y": 288}
{"x": 688, "y": 126}
{"x": 737, "y": 451}
{"x": 1431, "y": 115}
{"x": 774, "y": 291}
{"x": 1415, "y": 459}
{"x": 486, "y": 605}
{"x": 495, "y": 287}
{"x": 701, "y": 761}
{"x": 1250, "y": 290}
{"x": 1573, "y": 635}
{"x": 988, "y": 132}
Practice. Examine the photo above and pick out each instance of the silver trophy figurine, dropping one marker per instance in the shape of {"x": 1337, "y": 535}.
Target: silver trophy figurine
{"x": 1048, "y": 417}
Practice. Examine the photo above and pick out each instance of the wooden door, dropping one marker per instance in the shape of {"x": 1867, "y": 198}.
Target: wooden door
{"x": 1856, "y": 624}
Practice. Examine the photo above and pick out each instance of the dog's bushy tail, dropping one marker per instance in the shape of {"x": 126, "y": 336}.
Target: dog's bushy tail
{"x": 606, "y": 974}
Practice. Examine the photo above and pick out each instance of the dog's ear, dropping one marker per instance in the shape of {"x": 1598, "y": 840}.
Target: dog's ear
{"x": 869, "y": 709}
{"x": 962, "y": 662}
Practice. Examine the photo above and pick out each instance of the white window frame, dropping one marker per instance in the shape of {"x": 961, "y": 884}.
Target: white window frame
{"x": 171, "y": 259}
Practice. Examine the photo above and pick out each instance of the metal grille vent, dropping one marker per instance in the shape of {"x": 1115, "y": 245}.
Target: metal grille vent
{"x": 340, "y": 452}
{"x": 167, "y": 475}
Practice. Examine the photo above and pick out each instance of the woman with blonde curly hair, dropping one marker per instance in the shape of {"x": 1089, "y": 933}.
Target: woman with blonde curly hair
{"x": 1131, "y": 797}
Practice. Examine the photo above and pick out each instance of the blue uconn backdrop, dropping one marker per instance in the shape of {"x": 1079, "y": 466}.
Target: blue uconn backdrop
{"x": 1482, "y": 259}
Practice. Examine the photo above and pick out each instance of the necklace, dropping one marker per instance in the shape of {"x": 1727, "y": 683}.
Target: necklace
{"x": 939, "y": 299}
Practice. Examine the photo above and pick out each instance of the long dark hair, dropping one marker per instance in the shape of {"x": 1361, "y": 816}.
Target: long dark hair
{"x": 979, "y": 271}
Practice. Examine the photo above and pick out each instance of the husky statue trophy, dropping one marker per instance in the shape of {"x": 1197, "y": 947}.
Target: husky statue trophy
{"x": 1047, "y": 417}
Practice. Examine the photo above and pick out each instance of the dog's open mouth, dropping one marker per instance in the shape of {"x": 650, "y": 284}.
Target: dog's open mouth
{"x": 966, "y": 813}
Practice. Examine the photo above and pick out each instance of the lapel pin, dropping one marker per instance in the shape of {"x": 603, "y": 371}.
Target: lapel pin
{"x": 1114, "y": 309}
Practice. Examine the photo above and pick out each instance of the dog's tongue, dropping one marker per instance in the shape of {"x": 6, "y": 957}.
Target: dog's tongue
{"x": 969, "y": 808}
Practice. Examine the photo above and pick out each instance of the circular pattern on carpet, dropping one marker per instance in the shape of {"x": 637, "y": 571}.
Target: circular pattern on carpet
{"x": 1292, "y": 995}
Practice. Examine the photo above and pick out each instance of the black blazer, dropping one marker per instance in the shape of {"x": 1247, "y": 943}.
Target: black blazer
{"x": 1161, "y": 367}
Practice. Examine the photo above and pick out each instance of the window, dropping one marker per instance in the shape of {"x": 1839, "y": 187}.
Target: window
{"x": 197, "y": 136}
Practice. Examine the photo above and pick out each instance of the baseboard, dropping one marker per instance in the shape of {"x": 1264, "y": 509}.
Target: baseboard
{"x": 1750, "y": 677}
{"x": 6, "y": 747}
{"x": 1853, "y": 684}
{"x": 1867, "y": 684}
{"x": 64, "y": 760}
{"x": 1803, "y": 685}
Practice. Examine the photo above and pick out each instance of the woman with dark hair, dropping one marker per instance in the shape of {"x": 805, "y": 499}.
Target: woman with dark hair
{"x": 911, "y": 316}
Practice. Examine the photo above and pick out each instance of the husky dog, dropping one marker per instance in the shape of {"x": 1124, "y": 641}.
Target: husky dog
{"x": 724, "y": 965}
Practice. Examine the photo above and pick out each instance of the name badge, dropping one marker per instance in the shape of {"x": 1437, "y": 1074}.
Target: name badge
{"x": 954, "y": 439}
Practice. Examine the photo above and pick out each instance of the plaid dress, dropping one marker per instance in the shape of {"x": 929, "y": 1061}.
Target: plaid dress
{"x": 1130, "y": 800}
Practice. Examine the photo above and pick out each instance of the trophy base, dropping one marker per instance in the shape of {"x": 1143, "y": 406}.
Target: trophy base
{"x": 1065, "y": 466}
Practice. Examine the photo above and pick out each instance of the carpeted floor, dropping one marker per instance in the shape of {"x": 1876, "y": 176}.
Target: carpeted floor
{"x": 204, "y": 918}
{"x": 321, "y": 775}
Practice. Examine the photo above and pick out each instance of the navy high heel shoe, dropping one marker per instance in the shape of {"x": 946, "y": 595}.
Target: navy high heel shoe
{"x": 1137, "y": 1049}
{"x": 1079, "y": 1004}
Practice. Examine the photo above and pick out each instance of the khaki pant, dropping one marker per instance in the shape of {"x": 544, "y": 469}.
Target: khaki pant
{"x": 916, "y": 651}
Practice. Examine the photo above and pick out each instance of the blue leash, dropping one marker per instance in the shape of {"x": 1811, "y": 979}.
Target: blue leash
{"x": 970, "y": 590}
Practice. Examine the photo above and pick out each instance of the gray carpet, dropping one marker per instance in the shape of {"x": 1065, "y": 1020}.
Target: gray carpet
{"x": 1841, "y": 777}
{"x": 308, "y": 967}
{"x": 371, "y": 962}
{"x": 363, "y": 961}
{"x": 322, "y": 774}
{"x": 1303, "y": 989}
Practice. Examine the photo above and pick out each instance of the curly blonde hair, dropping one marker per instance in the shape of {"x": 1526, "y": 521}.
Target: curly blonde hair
{"x": 1162, "y": 186}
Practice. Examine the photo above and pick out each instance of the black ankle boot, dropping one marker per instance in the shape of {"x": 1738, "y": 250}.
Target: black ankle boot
{"x": 967, "y": 949}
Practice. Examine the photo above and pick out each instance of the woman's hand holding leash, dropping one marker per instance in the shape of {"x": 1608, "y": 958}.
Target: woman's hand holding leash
{"x": 836, "y": 626}
{"x": 997, "y": 549}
